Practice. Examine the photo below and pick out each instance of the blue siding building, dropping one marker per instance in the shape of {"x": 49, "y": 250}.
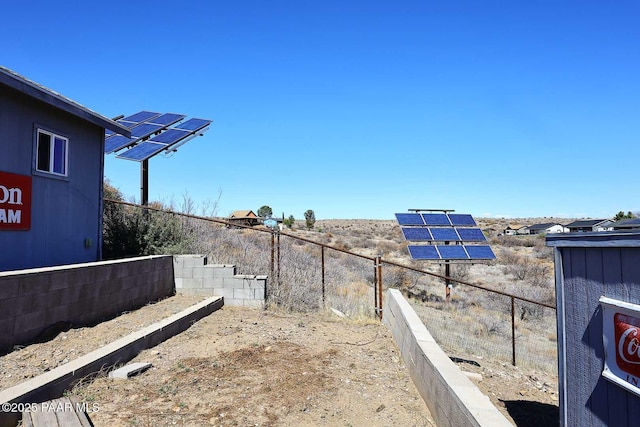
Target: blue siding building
{"x": 598, "y": 314}
{"x": 51, "y": 174}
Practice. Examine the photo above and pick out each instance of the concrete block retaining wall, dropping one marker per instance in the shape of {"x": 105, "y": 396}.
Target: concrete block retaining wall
{"x": 52, "y": 384}
{"x": 193, "y": 275}
{"x": 454, "y": 401}
{"x": 32, "y": 300}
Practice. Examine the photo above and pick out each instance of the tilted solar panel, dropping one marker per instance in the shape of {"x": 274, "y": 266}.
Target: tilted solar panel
{"x": 116, "y": 142}
{"x": 471, "y": 234}
{"x": 480, "y": 252}
{"x": 167, "y": 119}
{"x": 435, "y": 219}
{"x": 142, "y": 116}
{"x": 145, "y": 129}
{"x": 193, "y": 124}
{"x": 452, "y": 252}
{"x": 171, "y": 136}
{"x": 142, "y": 151}
{"x": 423, "y": 252}
{"x": 416, "y": 233}
{"x": 150, "y": 131}
{"x": 462, "y": 219}
{"x": 444, "y": 234}
{"x": 409, "y": 219}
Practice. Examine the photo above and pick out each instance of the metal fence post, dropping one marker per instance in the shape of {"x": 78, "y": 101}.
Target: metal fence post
{"x": 322, "y": 268}
{"x": 273, "y": 244}
{"x": 375, "y": 285}
{"x": 513, "y": 333}
{"x": 379, "y": 285}
{"x": 278, "y": 265}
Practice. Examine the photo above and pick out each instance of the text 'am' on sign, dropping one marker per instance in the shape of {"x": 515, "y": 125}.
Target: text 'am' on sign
{"x": 15, "y": 201}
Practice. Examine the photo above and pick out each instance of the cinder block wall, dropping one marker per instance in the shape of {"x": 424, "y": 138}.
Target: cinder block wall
{"x": 33, "y": 300}
{"x": 193, "y": 275}
{"x": 453, "y": 400}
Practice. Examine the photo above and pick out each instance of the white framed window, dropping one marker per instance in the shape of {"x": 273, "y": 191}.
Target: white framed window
{"x": 52, "y": 153}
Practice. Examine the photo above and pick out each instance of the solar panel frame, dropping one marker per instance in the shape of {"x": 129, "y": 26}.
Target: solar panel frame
{"x": 409, "y": 219}
{"x": 471, "y": 235}
{"x": 482, "y": 252}
{"x": 442, "y": 234}
{"x": 452, "y": 252}
{"x": 462, "y": 220}
{"x": 417, "y": 234}
{"x": 423, "y": 252}
{"x": 435, "y": 219}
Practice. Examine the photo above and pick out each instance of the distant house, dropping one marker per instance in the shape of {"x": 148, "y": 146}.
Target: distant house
{"x": 547, "y": 228}
{"x": 522, "y": 230}
{"x": 511, "y": 230}
{"x": 626, "y": 224}
{"x": 247, "y": 218}
{"x": 587, "y": 225}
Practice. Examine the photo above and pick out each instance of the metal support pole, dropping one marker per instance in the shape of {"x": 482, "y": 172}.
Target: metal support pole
{"x": 272, "y": 255}
{"x": 144, "y": 182}
{"x": 266, "y": 294}
{"x": 322, "y": 268}
{"x": 513, "y": 333}
{"x": 447, "y": 281}
{"x": 278, "y": 273}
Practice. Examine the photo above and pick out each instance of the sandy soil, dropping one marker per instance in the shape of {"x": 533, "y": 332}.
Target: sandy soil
{"x": 240, "y": 367}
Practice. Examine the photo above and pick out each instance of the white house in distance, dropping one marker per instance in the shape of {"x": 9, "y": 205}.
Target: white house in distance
{"x": 547, "y": 228}
{"x": 511, "y": 230}
{"x": 587, "y": 225}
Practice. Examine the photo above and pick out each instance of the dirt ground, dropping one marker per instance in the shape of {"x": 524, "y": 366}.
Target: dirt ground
{"x": 241, "y": 366}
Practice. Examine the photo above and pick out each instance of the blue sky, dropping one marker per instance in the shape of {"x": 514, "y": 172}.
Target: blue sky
{"x": 360, "y": 109}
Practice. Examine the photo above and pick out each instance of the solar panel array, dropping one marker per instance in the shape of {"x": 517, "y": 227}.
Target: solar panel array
{"x": 440, "y": 229}
{"x": 152, "y": 133}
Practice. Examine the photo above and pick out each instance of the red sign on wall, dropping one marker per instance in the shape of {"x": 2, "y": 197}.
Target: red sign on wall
{"x": 15, "y": 201}
{"x": 621, "y": 340}
{"x": 627, "y": 340}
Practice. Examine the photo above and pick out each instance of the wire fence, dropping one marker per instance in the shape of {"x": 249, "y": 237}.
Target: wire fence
{"x": 308, "y": 274}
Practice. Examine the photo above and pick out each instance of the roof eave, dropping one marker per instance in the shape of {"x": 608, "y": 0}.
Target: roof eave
{"x": 17, "y": 82}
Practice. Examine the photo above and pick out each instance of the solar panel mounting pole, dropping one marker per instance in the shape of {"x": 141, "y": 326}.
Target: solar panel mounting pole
{"x": 144, "y": 182}
{"x": 447, "y": 265}
{"x": 447, "y": 282}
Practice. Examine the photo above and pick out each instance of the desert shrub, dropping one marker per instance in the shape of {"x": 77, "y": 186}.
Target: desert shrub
{"x": 516, "y": 241}
{"x": 543, "y": 252}
{"x": 342, "y": 244}
{"x": 129, "y": 232}
{"x": 458, "y": 271}
{"x": 491, "y": 324}
{"x": 386, "y": 247}
{"x": 396, "y": 277}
